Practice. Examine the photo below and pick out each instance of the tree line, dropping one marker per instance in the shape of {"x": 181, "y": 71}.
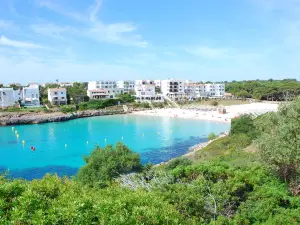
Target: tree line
{"x": 274, "y": 90}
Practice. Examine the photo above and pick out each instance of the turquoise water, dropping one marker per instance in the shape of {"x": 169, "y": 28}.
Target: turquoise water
{"x": 60, "y": 146}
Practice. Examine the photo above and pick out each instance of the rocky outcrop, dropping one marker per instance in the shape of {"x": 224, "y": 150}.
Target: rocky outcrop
{"x": 13, "y": 118}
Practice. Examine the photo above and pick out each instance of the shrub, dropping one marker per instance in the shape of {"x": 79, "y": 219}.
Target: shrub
{"x": 214, "y": 103}
{"x": 178, "y": 162}
{"x": 212, "y": 136}
{"x": 67, "y": 108}
{"x": 98, "y": 104}
{"x": 13, "y": 109}
{"x": 279, "y": 141}
{"x": 104, "y": 164}
{"x": 244, "y": 125}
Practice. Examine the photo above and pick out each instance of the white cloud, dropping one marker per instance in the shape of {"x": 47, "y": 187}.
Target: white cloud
{"x": 17, "y": 44}
{"x": 207, "y": 52}
{"x": 51, "y": 30}
{"x": 58, "y": 9}
{"x": 94, "y": 10}
{"x": 122, "y": 33}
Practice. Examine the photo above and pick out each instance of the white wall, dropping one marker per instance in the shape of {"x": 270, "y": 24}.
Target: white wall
{"x": 172, "y": 86}
{"x": 57, "y": 94}
{"x": 7, "y": 97}
{"x": 31, "y": 95}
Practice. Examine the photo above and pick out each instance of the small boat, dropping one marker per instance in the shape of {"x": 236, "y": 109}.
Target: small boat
{"x": 32, "y": 148}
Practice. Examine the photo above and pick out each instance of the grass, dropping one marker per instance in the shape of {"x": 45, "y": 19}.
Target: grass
{"x": 222, "y": 147}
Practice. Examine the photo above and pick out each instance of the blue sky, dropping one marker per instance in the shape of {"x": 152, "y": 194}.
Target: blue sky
{"x": 76, "y": 40}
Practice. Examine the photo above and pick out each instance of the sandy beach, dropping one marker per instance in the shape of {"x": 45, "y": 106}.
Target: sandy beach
{"x": 211, "y": 113}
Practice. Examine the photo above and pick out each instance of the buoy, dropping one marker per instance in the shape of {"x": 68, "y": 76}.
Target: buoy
{"x": 32, "y": 148}
{"x": 18, "y": 136}
{"x": 143, "y": 135}
{"x": 158, "y": 133}
{"x": 87, "y": 142}
{"x": 12, "y": 128}
{"x": 122, "y": 138}
{"x": 16, "y": 132}
{"x": 23, "y": 142}
{"x": 66, "y": 145}
{"x": 105, "y": 139}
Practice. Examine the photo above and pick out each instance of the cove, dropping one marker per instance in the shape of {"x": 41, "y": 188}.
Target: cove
{"x": 60, "y": 147}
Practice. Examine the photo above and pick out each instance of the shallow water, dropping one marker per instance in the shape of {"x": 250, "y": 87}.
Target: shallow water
{"x": 60, "y": 147}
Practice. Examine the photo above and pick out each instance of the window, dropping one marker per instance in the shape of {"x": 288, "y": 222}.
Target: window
{"x": 55, "y": 93}
{"x": 62, "y": 97}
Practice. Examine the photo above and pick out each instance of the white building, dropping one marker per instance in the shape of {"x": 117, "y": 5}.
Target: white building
{"x": 172, "y": 88}
{"x": 215, "y": 90}
{"x": 57, "y": 96}
{"x": 66, "y": 84}
{"x": 103, "y": 89}
{"x": 18, "y": 95}
{"x": 7, "y": 97}
{"x": 157, "y": 83}
{"x": 126, "y": 85}
{"x": 103, "y": 84}
{"x": 104, "y": 93}
{"x": 193, "y": 90}
{"x": 31, "y": 95}
{"x": 145, "y": 91}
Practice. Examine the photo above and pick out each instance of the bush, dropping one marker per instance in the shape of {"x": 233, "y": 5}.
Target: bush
{"x": 212, "y": 136}
{"x": 104, "y": 164}
{"x": 13, "y": 109}
{"x": 223, "y": 146}
{"x": 98, "y": 104}
{"x": 214, "y": 103}
{"x": 67, "y": 108}
{"x": 244, "y": 125}
{"x": 126, "y": 98}
{"x": 178, "y": 162}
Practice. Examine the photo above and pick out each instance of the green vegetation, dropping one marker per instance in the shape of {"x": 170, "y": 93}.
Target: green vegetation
{"x": 97, "y": 104}
{"x": 212, "y": 136}
{"x": 223, "y": 146}
{"x": 279, "y": 90}
{"x": 279, "y": 142}
{"x": 77, "y": 93}
{"x": 104, "y": 164}
{"x": 248, "y": 177}
{"x": 68, "y": 108}
{"x": 214, "y": 103}
{"x": 244, "y": 125}
{"x": 126, "y": 98}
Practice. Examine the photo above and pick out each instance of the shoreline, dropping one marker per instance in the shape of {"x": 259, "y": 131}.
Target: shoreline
{"x": 29, "y": 118}
{"x": 209, "y": 113}
{"x": 203, "y": 118}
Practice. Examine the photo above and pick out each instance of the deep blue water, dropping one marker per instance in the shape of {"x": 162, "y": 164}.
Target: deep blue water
{"x": 60, "y": 147}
